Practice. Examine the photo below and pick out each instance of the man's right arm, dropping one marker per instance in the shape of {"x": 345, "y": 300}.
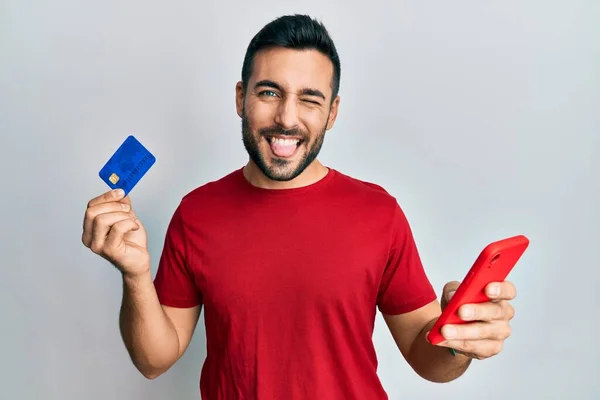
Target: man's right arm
{"x": 155, "y": 336}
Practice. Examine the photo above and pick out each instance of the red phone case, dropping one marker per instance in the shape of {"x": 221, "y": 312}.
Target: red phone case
{"x": 494, "y": 264}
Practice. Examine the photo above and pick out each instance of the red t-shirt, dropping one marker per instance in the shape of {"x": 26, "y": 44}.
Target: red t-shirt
{"x": 290, "y": 281}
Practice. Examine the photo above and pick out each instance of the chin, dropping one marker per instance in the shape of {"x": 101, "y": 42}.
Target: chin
{"x": 282, "y": 170}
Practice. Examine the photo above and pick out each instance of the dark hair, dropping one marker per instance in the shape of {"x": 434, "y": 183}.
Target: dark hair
{"x": 294, "y": 32}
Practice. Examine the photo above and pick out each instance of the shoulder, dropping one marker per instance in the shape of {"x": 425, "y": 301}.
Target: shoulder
{"x": 364, "y": 189}
{"x": 371, "y": 199}
{"x": 211, "y": 193}
{"x": 374, "y": 202}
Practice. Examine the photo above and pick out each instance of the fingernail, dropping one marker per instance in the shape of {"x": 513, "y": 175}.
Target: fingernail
{"x": 467, "y": 313}
{"x": 124, "y": 206}
{"x": 449, "y": 295}
{"x": 118, "y": 192}
{"x": 449, "y": 332}
{"x": 494, "y": 290}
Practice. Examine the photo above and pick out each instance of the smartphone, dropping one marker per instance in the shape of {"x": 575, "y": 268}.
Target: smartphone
{"x": 494, "y": 264}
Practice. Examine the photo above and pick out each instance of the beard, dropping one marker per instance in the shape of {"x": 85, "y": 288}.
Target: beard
{"x": 280, "y": 169}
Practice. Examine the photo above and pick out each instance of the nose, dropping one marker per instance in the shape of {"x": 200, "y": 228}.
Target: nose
{"x": 287, "y": 113}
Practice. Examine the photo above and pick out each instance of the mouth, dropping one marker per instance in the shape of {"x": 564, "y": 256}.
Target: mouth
{"x": 283, "y": 147}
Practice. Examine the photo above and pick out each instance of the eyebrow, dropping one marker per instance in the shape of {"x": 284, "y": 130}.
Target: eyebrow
{"x": 275, "y": 85}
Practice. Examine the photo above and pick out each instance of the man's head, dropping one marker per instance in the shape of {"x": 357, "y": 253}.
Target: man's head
{"x": 288, "y": 95}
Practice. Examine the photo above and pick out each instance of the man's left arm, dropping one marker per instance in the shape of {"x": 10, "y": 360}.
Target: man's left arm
{"x": 481, "y": 337}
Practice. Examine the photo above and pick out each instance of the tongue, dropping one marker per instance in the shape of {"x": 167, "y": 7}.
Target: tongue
{"x": 281, "y": 150}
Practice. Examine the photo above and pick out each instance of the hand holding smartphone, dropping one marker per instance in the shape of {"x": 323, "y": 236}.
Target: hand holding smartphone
{"x": 494, "y": 264}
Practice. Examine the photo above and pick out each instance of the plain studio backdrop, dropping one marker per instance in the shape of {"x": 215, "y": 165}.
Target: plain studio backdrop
{"x": 481, "y": 117}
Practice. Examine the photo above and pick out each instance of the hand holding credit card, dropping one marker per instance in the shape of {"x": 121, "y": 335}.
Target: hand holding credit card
{"x": 111, "y": 228}
{"x": 127, "y": 165}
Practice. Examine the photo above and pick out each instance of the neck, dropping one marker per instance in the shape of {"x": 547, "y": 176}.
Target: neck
{"x": 312, "y": 174}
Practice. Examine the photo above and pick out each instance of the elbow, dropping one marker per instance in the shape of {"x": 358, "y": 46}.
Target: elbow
{"x": 435, "y": 375}
{"x": 432, "y": 365}
{"x": 151, "y": 360}
{"x": 435, "y": 372}
{"x": 441, "y": 373}
{"x": 150, "y": 372}
{"x": 150, "y": 368}
{"x": 438, "y": 379}
{"x": 151, "y": 375}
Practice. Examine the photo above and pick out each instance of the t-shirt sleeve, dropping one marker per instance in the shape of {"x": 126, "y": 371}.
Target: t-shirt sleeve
{"x": 174, "y": 280}
{"x": 404, "y": 286}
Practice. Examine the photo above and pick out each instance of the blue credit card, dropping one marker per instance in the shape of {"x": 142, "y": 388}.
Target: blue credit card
{"x": 127, "y": 166}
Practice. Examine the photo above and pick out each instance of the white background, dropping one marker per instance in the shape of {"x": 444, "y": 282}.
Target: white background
{"x": 481, "y": 117}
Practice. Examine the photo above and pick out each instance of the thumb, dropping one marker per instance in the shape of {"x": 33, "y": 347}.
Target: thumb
{"x": 448, "y": 291}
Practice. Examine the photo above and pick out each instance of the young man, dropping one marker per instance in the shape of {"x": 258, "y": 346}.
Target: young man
{"x": 290, "y": 259}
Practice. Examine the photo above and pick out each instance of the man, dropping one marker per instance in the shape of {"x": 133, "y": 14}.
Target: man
{"x": 290, "y": 259}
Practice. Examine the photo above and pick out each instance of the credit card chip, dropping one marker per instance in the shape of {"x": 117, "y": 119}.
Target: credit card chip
{"x": 114, "y": 178}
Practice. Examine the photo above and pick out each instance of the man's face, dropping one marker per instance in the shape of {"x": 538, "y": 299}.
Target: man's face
{"x": 286, "y": 110}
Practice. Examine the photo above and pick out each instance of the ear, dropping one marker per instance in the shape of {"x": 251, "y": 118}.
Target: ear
{"x": 333, "y": 112}
{"x": 239, "y": 98}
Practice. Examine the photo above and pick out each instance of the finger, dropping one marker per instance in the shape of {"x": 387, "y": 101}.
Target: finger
{"x": 114, "y": 239}
{"x": 111, "y": 195}
{"x": 101, "y": 226}
{"x": 501, "y": 290}
{"x": 498, "y": 330}
{"x": 479, "y": 349}
{"x": 487, "y": 311}
{"x": 93, "y": 212}
{"x": 450, "y": 287}
{"x": 448, "y": 291}
{"x": 126, "y": 200}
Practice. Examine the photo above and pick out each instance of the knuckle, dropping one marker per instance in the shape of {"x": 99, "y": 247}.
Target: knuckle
{"x": 96, "y": 247}
{"x": 495, "y": 333}
{"x": 500, "y": 310}
{"x": 467, "y": 346}
{"x": 120, "y": 227}
{"x": 488, "y": 331}
{"x": 99, "y": 219}
{"x": 89, "y": 215}
{"x": 85, "y": 240}
{"x": 496, "y": 348}
{"x": 510, "y": 311}
{"x": 475, "y": 312}
{"x": 501, "y": 332}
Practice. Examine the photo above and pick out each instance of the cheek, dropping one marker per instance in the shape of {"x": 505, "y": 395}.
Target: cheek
{"x": 260, "y": 116}
{"x": 314, "y": 121}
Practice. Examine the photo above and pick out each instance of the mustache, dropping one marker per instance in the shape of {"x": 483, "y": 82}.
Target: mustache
{"x": 275, "y": 130}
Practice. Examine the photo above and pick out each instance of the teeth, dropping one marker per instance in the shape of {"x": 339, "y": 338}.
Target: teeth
{"x": 285, "y": 142}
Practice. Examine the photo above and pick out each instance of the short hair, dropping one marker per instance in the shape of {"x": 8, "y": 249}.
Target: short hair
{"x": 296, "y": 31}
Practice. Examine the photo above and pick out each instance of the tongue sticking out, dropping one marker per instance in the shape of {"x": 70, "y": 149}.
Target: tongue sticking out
{"x": 283, "y": 148}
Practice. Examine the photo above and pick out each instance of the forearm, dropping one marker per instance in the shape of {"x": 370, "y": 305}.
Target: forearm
{"x": 436, "y": 363}
{"x": 148, "y": 334}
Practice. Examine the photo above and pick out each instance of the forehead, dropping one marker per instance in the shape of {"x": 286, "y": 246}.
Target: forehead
{"x": 293, "y": 69}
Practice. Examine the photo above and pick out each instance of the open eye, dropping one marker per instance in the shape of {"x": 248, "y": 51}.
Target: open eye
{"x": 268, "y": 93}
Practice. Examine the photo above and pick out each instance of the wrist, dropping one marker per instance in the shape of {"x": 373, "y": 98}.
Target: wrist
{"x": 137, "y": 276}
